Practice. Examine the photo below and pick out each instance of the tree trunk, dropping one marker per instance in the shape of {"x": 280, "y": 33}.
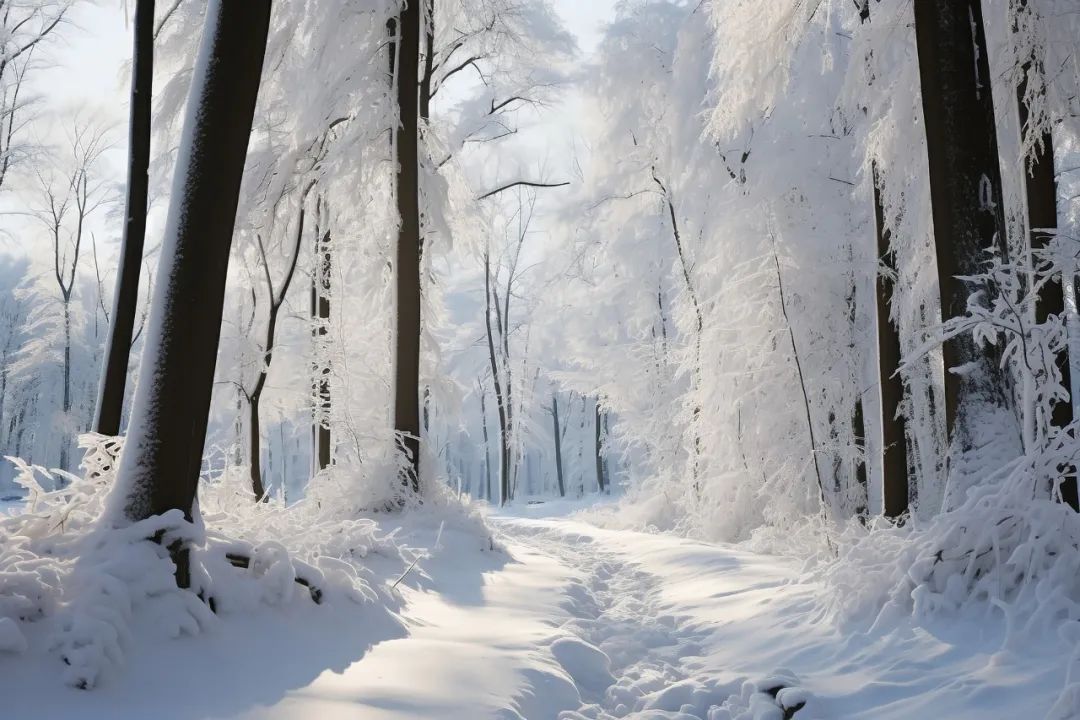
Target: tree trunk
{"x": 277, "y": 299}
{"x": 321, "y": 308}
{"x": 500, "y": 400}
{"x": 162, "y": 459}
{"x": 601, "y": 484}
{"x": 110, "y": 405}
{"x": 407, "y": 269}
{"x": 1041, "y": 187}
{"x": 65, "y": 440}
{"x": 894, "y": 459}
{"x": 429, "y": 60}
{"x": 965, "y": 190}
{"x": 255, "y": 442}
{"x": 558, "y": 443}
{"x": 487, "y": 443}
{"x": 607, "y": 466}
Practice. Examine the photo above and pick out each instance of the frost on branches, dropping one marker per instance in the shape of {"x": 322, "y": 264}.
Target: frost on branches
{"x": 743, "y": 306}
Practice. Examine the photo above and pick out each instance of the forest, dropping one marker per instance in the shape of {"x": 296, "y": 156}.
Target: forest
{"x": 649, "y": 359}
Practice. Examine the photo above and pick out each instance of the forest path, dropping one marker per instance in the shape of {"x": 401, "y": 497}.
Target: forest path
{"x": 656, "y": 627}
{"x": 631, "y": 642}
{"x": 569, "y": 621}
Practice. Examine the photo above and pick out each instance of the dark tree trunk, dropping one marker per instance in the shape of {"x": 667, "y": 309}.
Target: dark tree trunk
{"x": 601, "y": 480}
{"x": 558, "y": 443}
{"x": 407, "y": 267}
{"x": 110, "y": 404}
{"x": 487, "y": 443}
{"x": 1041, "y": 188}
{"x": 500, "y": 399}
{"x": 255, "y": 441}
{"x": 162, "y": 459}
{"x": 965, "y": 190}
{"x": 276, "y": 300}
{"x": 893, "y": 423}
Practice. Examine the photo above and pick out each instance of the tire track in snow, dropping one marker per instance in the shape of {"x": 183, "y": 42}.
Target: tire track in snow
{"x": 628, "y": 655}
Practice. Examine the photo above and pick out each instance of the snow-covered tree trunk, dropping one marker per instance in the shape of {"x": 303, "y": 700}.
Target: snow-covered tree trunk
{"x": 1040, "y": 186}
{"x": 161, "y": 461}
{"x": 320, "y": 310}
{"x": 65, "y": 440}
{"x": 110, "y": 405}
{"x": 966, "y": 195}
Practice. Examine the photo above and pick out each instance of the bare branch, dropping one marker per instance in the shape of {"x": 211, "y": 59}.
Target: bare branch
{"x": 521, "y": 183}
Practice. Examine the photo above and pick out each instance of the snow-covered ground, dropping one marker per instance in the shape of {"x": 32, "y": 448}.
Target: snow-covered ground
{"x": 570, "y": 622}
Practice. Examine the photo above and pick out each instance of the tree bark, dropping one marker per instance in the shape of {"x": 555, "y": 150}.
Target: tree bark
{"x": 894, "y": 450}
{"x": 487, "y": 442}
{"x": 601, "y": 481}
{"x": 126, "y": 298}
{"x": 407, "y": 269}
{"x": 500, "y": 400}
{"x": 965, "y": 191}
{"x": 558, "y": 443}
{"x": 162, "y": 459}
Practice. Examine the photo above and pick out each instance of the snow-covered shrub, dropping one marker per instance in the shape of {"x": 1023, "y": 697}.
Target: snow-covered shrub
{"x": 84, "y": 580}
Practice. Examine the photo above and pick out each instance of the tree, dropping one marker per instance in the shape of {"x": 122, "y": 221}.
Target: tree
{"x": 501, "y": 400}
{"x": 598, "y": 447}
{"x": 498, "y": 307}
{"x": 965, "y": 192}
{"x": 320, "y": 316}
{"x": 70, "y": 192}
{"x": 24, "y": 26}
{"x": 276, "y": 299}
{"x": 894, "y": 464}
{"x": 894, "y": 452}
{"x": 557, "y": 432}
{"x": 110, "y": 404}
{"x": 1040, "y": 186}
{"x": 162, "y": 458}
{"x": 487, "y": 443}
{"x": 407, "y": 266}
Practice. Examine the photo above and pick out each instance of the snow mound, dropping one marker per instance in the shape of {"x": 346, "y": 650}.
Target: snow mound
{"x": 11, "y": 638}
{"x": 589, "y": 667}
{"x": 1006, "y": 546}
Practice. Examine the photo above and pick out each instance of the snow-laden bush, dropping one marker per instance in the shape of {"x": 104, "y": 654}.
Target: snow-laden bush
{"x": 1009, "y": 545}
{"x": 1005, "y": 539}
{"x": 83, "y": 580}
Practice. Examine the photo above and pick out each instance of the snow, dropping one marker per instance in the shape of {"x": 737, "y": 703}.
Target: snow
{"x": 564, "y": 620}
{"x": 11, "y": 638}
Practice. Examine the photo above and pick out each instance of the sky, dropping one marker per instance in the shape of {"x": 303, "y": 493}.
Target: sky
{"x": 586, "y": 19}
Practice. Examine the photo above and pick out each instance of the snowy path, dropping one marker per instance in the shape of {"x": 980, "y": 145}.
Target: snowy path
{"x": 628, "y": 649}
{"x": 686, "y": 631}
{"x": 573, "y": 623}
